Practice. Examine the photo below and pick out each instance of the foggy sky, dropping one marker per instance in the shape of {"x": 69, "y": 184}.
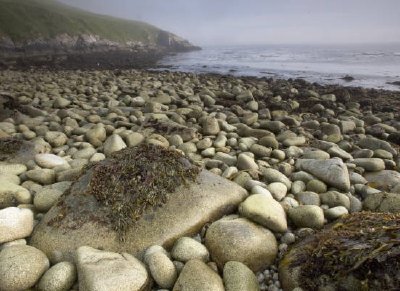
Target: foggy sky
{"x": 235, "y": 22}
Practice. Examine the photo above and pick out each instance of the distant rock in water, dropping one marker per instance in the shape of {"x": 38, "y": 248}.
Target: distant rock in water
{"x": 54, "y": 34}
{"x": 348, "y": 78}
{"x": 397, "y": 83}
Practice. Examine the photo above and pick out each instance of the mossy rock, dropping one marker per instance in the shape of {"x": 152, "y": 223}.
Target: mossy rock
{"x": 137, "y": 198}
{"x": 358, "y": 252}
{"x": 18, "y": 151}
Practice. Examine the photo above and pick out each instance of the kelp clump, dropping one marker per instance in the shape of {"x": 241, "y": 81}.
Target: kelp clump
{"x": 359, "y": 252}
{"x": 134, "y": 179}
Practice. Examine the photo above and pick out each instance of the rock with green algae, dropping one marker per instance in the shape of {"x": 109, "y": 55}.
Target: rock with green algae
{"x": 141, "y": 196}
{"x": 358, "y": 252}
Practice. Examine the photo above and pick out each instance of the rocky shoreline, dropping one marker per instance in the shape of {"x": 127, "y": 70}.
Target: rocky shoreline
{"x": 281, "y": 160}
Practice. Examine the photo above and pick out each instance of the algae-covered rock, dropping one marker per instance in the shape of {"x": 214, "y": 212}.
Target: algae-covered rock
{"x": 137, "y": 198}
{"x": 360, "y": 251}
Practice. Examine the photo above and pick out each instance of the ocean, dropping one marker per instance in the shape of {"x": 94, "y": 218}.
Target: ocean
{"x": 370, "y": 66}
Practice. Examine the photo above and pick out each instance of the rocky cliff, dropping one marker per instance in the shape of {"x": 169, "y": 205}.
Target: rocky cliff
{"x": 44, "y": 32}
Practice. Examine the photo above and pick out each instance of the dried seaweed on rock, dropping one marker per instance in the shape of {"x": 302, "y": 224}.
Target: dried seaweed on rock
{"x": 361, "y": 250}
{"x": 134, "y": 179}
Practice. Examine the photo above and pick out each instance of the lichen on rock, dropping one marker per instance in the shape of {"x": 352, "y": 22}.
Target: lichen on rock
{"x": 136, "y": 178}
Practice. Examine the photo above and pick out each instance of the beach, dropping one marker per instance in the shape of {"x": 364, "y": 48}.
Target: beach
{"x": 288, "y": 158}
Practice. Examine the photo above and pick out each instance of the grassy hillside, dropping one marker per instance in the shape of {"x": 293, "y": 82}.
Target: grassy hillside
{"x": 27, "y": 19}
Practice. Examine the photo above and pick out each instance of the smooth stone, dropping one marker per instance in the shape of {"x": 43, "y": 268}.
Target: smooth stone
{"x": 238, "y": 277}
{"x": 112, "y": 144}
{"x": 334, "y": 198}
{"x": 196, "y": 275}
{"x": 15, "y": 223}
{"x": 226, "y": 158}
{"x": 49, "y": 161}
{"x": 208, "y": 199}
{"x": 271, "y": 175}
{"x": 60, "y": 102}
{"x": 278, "y": 154}
{"x": 265, "y": 211}
{"x": 297, "y": 187}
{"x": 161, "y": 268}
{"x": 269, "y": 142}
{"x": 225, "y": 240}
{"x": 370, "y": 164}
{"x": 257, "y": 189}
{"x": 56, "y": 138}
{"x": 9, "y": 178}
{"x": 45, "y": 199}
{"x": 278, "y": 190}
{"x": 210, "y": 126}
{"x": 21, "y": 267}
{"x": 186, "y": 249}
{"x": 42, "y": 176}
{"x": 316, "y": 186}
{"x": 59, "y": 277}
{"x": 340, "y": 153}
{"x": 316, "y": 154}
{"x": 308, "y": 198}
{"x": 97, "y": 157}
{"x": 382, "y": 202}
{"x": 355, "y": 204}
{"x": 96, "y": 135}
{"x": 310, "y": 216}
{"x": 333, "y": 171}
{"x": 302, "y": 176}
{"x": 375, "y": 144}
{"x": 356, "y": 178}
{"x": 294, "y": 141}
{"x": 11, "y": 193}
{"x": 14, "y": 169}
{"x": 245, "y": 162}
{"x": 384, "y": 180}
{"x": 335, "y": 212}
{"x": 85, "y": 153}
{"x": 260, "y": 151}
{"x": 134, "y": 139}
{"x": 103, "y": 270}
{"x": 220, "y": 141}
{"x": 204, "y": 143}
{"x": 382, "y": 154}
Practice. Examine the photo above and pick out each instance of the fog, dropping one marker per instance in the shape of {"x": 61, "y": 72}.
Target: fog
{"x": 239, "y": 22}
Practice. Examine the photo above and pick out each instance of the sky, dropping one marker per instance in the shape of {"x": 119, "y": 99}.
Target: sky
{"x": 240, "y": 22}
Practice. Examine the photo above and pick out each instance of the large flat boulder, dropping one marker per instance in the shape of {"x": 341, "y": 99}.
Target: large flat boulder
{"x": 79, "y": 218}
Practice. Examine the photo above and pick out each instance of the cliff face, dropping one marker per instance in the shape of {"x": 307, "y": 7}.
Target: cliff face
{"x": 78, "y": 37}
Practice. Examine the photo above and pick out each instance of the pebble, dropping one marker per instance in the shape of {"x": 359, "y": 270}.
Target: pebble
{"x": 21, "y": 267}
{"x": 238, "y": 277}
{"x": 278, "y": 190}
{"x": 15, "y": 223}
{"x": 186, "y": 249}
{"x": 96, "y": 270}
{"x": 49, "y": 161}
{"x": 265, "y": 211}
{"x": 225, "y": 241}
{"x": 42, "y": 176}
{"x": 113, "y": 144}
{"x": 310, "y": 216}
{"x": 370, "y": 164}
{"x": 59, "y": 277}
{"x": 161, "y": 268}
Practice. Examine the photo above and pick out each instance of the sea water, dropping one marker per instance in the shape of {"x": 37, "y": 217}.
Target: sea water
{"x": 371, "y": 66}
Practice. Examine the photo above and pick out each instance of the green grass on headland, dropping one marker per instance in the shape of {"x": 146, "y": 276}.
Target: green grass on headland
{"x": 28, "y": 19}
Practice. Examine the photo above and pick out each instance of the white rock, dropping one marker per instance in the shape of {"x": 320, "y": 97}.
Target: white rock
{"x": 161, "y": 267}
{"x": 113, "y": 144}
{"x": 10, "y": 191}
{"x": 15, "y": 169}
{"x": 278, "y": 190}
{"x": 49, "y": 161}
{"x": 107, "y": 271}
{"x": 265, "y": 211}
{"x": 15, "y": 223}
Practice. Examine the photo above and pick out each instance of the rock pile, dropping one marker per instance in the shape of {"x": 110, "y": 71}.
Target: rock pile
{"x": 277, "y": 161}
